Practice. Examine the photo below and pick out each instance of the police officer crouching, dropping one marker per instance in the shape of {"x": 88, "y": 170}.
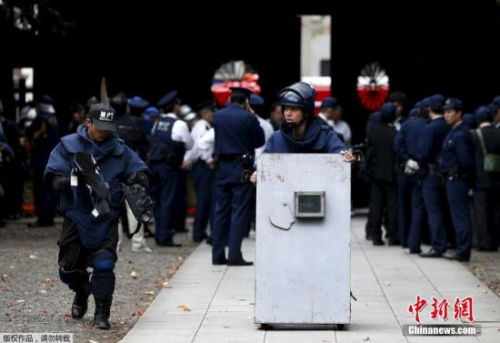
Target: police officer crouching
{"x": 88, "y": 168}
{"x": 456, "y": 163}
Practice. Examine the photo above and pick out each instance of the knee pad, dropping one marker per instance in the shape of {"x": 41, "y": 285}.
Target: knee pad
{"x": 74, "y": 278}
{"x": 103, "y": 261}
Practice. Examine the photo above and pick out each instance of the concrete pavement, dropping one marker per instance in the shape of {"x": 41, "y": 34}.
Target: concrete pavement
{"x": 215, "y": 304}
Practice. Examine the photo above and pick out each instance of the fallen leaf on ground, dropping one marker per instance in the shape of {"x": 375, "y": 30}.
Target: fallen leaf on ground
{"x": 184, "y": 308}
{"x": 149, "y": 293}
{"x": 33, "y": 257}
{"x": 165, "y": 284}
{"x": 92, "y": 341}
{"x": 133, "y": 274}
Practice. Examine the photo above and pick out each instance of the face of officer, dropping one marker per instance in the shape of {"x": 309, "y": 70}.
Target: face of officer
{"x": 277, "y": 114}
{"x": 496, "y": 116}
{"x": 294, "y": 116}
{"x": 452, "y": 116}
{"x": 208, "y": 115}
{"x": 337, "y": 114}
{"x": 95, "y": 134}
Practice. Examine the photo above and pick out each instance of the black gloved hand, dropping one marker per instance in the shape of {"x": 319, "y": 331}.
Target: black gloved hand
{"x": 138, "y": 178}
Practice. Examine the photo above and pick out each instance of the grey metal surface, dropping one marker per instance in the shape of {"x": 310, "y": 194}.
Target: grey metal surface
{"x": 303, "y": 273}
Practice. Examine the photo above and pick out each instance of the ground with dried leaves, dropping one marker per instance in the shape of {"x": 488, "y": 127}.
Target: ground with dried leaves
{"x": 32, "y": 299}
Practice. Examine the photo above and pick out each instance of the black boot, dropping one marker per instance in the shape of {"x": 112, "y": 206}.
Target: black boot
{"x": 101, "y": 315}
{"x": 80, "y": 302}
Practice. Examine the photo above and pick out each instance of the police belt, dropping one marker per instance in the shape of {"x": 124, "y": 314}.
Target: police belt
{"x": 230, "y": 157}
{"x": 455, "y": 175}
{"x": 433, "y": 168}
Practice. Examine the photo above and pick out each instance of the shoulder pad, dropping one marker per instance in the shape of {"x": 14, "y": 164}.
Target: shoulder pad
{"x": 72, "y": 143}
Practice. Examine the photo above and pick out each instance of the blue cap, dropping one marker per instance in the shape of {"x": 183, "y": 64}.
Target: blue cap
{"x": 436, "y": 102}
{"x": 387, "y": 112}
{"x": 469, "y": 120}
{"x": 426, "y": 102}
{"x": 207, "y": 104}
{"x": 137, "y": 102}
{"x": 152, "y": 111}
{"x": 483, "y": 113}
{"x": 452, "y": 104}
{"x": 413, "y": 112}
{"x": 330, "y": 102}
{"x": 46, "y": 99}
{"x": 256, "y": 100}
{"x": 241, "y": 91}
{"x": 167, "y": 98}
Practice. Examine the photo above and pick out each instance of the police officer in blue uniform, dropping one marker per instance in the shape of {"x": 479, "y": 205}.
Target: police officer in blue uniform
{"x": 406, "y": 145}
{"x": 487, "y": 184}
{"x": 456, "y": 163}
{"x": 44, "y": 135}
{"x": 237, "y": 135}
{"x": 433, "y": 191}
{"x": 382, "y": 164}
{"x": 170, "y": 140}
{"x": 203, "y": 173}
{"x": 89, "y": 235}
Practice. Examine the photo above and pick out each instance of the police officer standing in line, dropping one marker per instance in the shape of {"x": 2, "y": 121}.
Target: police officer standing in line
{"x": 237, "y": 134}
{"x": 203, "y": 172}
{"x": 456, "y": 163}
{"x": 487, "y": 184}
{"x": 495, "y": 108}
{"x": 433, "y": 191}
{"x": 382, "y": 163}
{"x": 170, "y": 140}
{"x": 44, "y": 135}
{"x": 406, "y": 145}
{"x": 89, "y": 235}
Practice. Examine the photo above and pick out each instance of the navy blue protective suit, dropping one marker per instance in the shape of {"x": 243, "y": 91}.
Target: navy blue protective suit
{"x": 87, "y": 240}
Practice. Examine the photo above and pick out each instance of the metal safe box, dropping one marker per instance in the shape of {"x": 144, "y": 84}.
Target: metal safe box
{"x": 303, "y": 239}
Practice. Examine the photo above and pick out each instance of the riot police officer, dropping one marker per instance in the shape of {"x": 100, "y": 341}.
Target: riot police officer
{"x": 237, "y": 134}
{"x": 456, "y": 163}
{"x": 170, "y": 140}
{"x": 301, "y": 131}
{"x": 89, "y": 234}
